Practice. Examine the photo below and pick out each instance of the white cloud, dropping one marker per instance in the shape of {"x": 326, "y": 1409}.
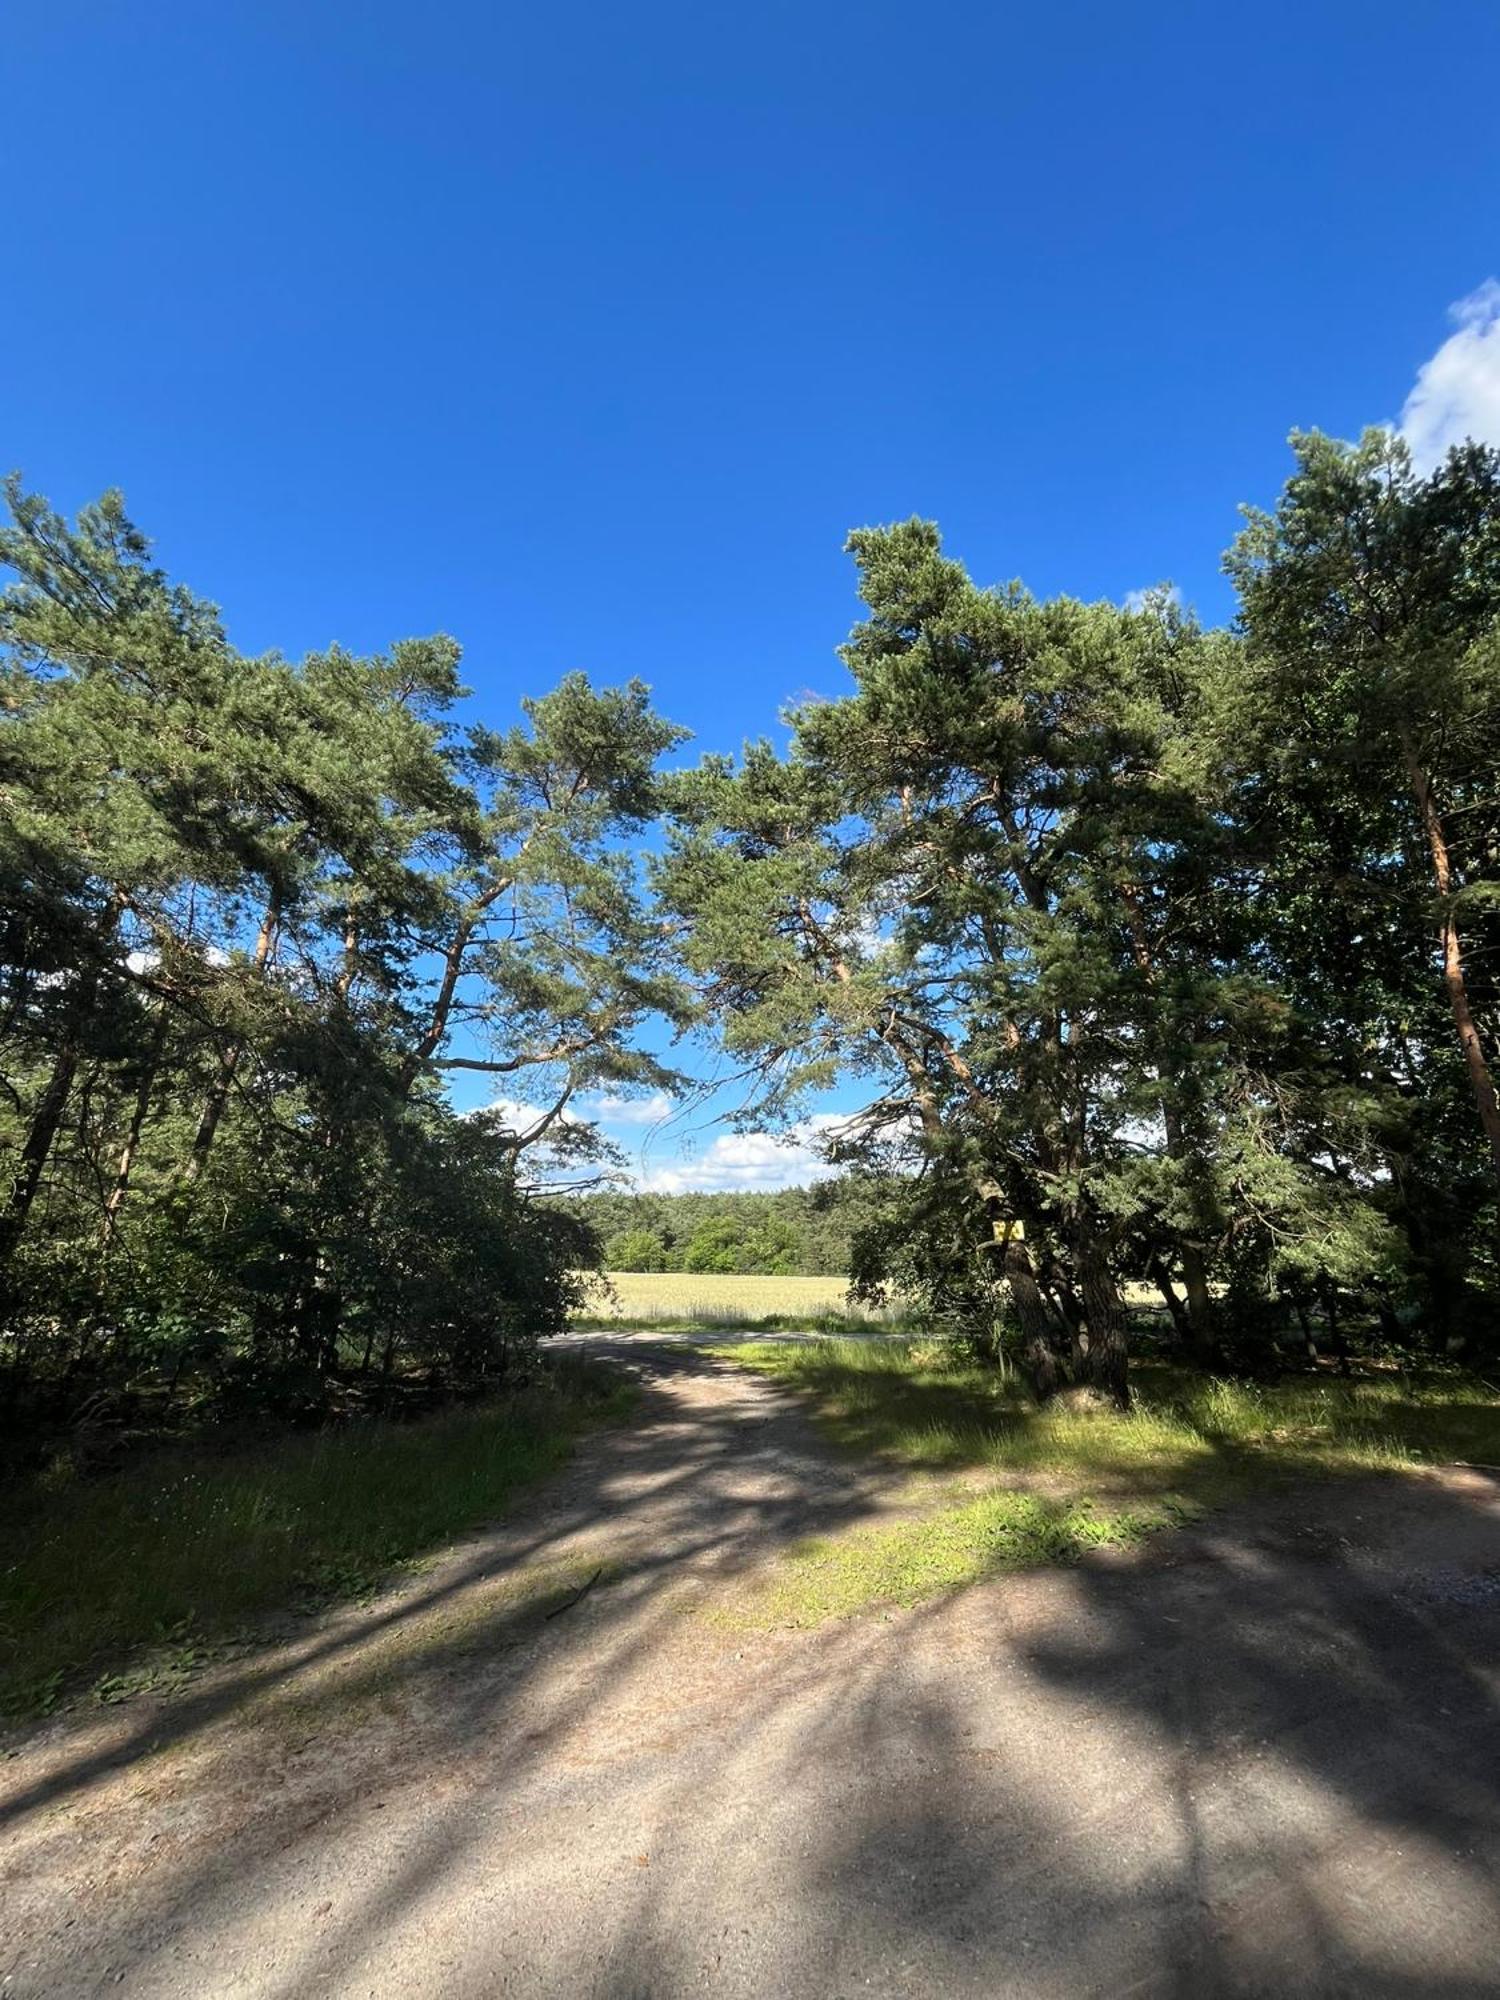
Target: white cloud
{"x": 870, "y": 938}
{"x": 1457, "y": 392}
{"x": 146, "y": 958}
{"x": 512, "y": 1114}
{"x": 758, "y": 1162}
{"x": 1154, "y": 594}
{"x": 611, "y": 1110}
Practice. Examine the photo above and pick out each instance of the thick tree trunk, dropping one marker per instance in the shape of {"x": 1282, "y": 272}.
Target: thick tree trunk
{"x": 1066, "y": 1302}
{"x": 1481, "y": 1083}
{"x": 1108, "y": 1365}
{"x": 1038, "y": 1332}
{"x": 35, "y": 1149}
{"x": 1202, "y": 1338}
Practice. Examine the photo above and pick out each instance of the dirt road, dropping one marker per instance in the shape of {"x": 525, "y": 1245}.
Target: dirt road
{"x": 1260, "y": 1757}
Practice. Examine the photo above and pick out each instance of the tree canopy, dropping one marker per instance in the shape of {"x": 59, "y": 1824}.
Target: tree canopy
{"x": 1163, "y": 962}
{"x": 1079, "y": 891}
{"x": 254, "y": 912}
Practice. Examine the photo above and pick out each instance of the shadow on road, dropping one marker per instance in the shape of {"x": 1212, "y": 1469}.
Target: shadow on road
{"x": 1264, "y": 1757}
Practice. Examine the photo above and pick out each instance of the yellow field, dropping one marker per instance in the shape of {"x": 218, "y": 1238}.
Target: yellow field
{"x": 638, "y": 1297}
{"x": 660, "y": 1295}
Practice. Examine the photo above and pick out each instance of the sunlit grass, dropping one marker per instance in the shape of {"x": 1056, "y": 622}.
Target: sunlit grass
{"x": 941, "y": 1551}
{"x": 1046, "y": 1485}
{"x": 130, "y": 1579}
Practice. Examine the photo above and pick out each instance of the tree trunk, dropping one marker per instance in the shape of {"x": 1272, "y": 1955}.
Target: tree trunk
{"x": 1331, "y": 1314}
{"x": 47, "y": 1118}
{"x": 37, "y": 1146}
{"x": 1309, "y": 1340}
{"x": 1161, "y": 1277}
{"x": 230, "y": 1058}
{"x": 1109, "y": 1355}
{"x": 1202, "y": 1338}
{"x": 1038, "y": 1334}
{"x": 1481, "y": 1083}
{"x": 1200, "y": 1304}
{"x": 128, "y": 1151}
{"x": 1065, "y": 1301}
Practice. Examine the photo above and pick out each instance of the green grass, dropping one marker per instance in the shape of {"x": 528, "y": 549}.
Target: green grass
{"x": 943, "y": 1550}
{"x": 1044, "y": 1486}
{"x": 133, "y": 1579}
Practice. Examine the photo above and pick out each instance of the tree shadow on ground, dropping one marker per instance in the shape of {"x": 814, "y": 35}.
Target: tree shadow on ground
{"x": 1263, "y": 1758}
{"x": 1256, "y": 1759}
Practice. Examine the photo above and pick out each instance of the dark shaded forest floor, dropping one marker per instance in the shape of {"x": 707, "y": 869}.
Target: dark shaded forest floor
{"x": 1258, "y": 1754}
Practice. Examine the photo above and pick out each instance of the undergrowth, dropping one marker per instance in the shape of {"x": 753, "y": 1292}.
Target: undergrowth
{"x": 130, "y": 1580}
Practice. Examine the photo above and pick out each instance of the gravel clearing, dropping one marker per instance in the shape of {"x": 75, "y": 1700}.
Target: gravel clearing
{"x": 1257, "y": 1756}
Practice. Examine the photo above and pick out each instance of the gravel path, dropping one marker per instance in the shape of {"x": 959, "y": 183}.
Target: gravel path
{"x": 1261, "y": 1756}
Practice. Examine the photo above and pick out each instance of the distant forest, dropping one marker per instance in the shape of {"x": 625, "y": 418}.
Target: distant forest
{"x": 800, "y": 1230}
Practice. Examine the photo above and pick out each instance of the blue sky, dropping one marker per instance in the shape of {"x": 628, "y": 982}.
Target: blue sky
{"x": 586, "y": 333}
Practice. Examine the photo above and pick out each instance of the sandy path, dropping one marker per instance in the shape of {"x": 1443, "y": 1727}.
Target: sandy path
{"x": 1262, "y": 1756}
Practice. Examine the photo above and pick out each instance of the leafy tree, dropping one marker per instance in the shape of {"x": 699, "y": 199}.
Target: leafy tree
{"x": 547, "y": 961}
{"x": 1163, "y": 956}
{"x": 635, "y": 1250}
{"x": 1366, "y": 728}
{"x": 1001, "y": 882}
{"x": 729, "y": 1242}
{"x": 935, "y": 890}
{"x": 253, "y": 911}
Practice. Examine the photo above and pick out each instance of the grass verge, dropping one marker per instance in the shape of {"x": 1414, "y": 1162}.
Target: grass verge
{"x": 1046, "y": 1485}
{"x": 132, "y": 1580}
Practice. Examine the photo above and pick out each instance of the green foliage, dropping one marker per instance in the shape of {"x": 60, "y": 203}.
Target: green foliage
{"x": 1165, "y": 956}
{"x": 1161, "y": 957}
{"x": 808, "y": 1231}
{"x": 635, "y": 1250}
{"x": 251, "y": 915}
{"x": 722, "y": 1245}
{"x": 1362, "y": 728}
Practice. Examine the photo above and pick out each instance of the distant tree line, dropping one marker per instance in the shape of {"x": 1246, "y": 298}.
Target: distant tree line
{"x": 795, "y": 1231}
{"x": 1163, "y": 956}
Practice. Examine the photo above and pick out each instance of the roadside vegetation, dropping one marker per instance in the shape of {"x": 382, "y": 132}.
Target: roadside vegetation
{"x": 1157, "y": 956}
{"x": 135, "y": 1578}
{"x": 255, "y": 915}
{"x": 1025, "y": 1486}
